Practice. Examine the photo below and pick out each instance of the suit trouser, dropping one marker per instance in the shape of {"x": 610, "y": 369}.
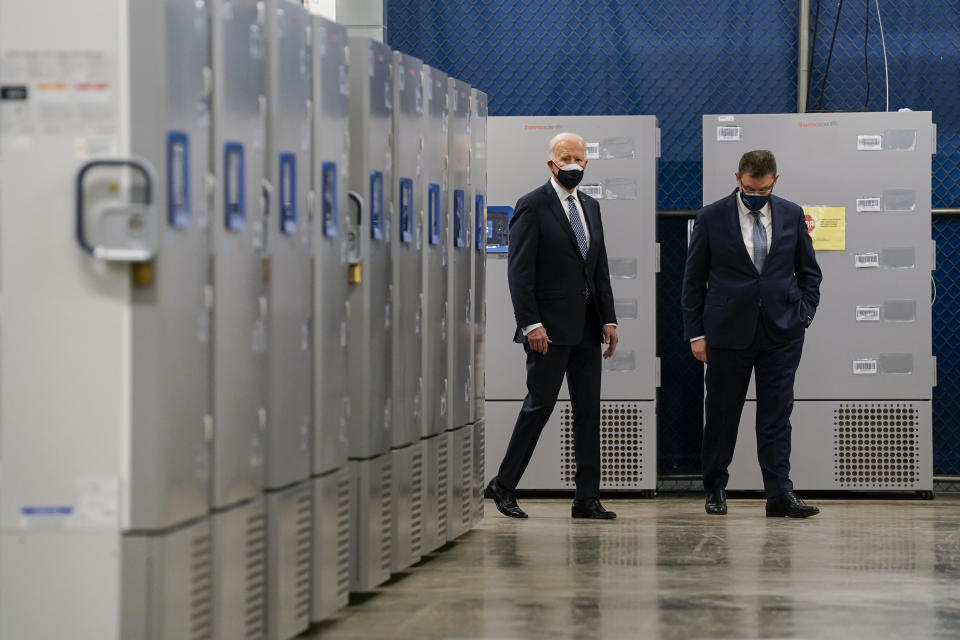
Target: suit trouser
{"x": 728, "y": 376}
{"x": 581, "y": 364}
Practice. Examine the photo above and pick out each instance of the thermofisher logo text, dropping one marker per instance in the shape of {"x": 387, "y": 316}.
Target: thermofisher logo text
{"x": 833, "y": 123}
{"x": 538, "y": 127}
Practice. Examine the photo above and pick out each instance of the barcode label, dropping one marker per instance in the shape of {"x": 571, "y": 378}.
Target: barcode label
{"x": 869, "y": 143}
{"x": 866, "y": 260}
{"x": 868, "y": 313}
{"x": 593, "y": 150}
{"x": 728, "y": 134}
{"x": 865, "y": 367}
{"x": 593, "y": 190}
{"x": 868, "y": 204}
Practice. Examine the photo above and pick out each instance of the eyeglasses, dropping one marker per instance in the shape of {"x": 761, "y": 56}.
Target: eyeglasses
{"x": 747, "y": 191}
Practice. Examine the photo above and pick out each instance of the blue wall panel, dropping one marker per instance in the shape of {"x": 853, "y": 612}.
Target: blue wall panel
{"x": 679, "y": 59}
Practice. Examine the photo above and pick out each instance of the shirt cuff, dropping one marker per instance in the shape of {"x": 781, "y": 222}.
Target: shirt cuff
{"x": 611, "y": 324}
{"x": 531, "y": 327}
{"x": 697, "y": 338}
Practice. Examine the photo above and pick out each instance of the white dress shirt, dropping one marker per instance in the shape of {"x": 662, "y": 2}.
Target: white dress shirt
{"x": 563, "y": 195}
{"x": 746, "y": 230}
{"x": 746, "y": 224}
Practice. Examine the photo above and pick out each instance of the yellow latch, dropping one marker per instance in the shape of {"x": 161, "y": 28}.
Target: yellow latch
{"x": 355, "y": 274}
{"x": 142, "y": 273}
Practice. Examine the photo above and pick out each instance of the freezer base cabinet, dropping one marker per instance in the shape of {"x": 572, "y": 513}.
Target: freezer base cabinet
{"x": 437, "y": 479}
{"x": 838, "y": 445}
{"x": 628, "y": 446}
{"x": 460, "y": 498}
{"x": 289, "y": 540}
{"x": 167, "y": 585}
{"x": 479, "y": 470}
{"x": 239, "y": 571}
{"x": 370, "y": 542}
{"x": 332, "y": 520}
{"x": 408, "y": 487}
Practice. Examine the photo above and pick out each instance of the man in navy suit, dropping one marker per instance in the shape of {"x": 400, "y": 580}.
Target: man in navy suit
{"x": 563, "y": 303}
{"x": 750, "y": 290}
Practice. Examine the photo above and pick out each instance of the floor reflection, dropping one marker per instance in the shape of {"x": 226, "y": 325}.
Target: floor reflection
{"x": 665, "y": 570}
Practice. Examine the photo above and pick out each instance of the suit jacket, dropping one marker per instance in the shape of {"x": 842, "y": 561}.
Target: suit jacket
{"x": 724, "y": 295}
{"x": 548, "y": 277}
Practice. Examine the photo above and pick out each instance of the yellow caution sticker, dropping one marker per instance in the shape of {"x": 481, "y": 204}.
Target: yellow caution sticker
{"x": 827, "y": 227}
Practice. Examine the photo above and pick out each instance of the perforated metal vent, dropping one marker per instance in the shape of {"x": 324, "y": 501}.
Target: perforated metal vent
{"x": 442, "y": 480}
{"x": 877, "y": 445}
{"x": 416, "y": 505}
{"x": 304, "y": 556}
{"x": 255, "y": 576}
{"x": 621, "y": 445}
{"x": 386, "y": 516}
{"x": 466, "y": 459}
{"x": 480, "y": 445}
{"x": 343, "y": 538}
{"x": 201, "y": 590}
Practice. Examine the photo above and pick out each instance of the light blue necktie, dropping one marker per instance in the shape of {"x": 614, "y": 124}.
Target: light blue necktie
{"x": 759, "y": 241}
{"x": 577, "y": 227}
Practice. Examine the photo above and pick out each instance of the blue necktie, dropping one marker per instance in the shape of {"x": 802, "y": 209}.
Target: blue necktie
{"x": 577, "y": 227}
{"x": 759, "y": 241}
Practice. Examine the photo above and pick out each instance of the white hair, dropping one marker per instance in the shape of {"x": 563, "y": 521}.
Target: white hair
{"x": 562, "y": 137}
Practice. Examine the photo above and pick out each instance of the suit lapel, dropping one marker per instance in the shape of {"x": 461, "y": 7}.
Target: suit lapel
{"x": 733, "y": 222}
{"x": 778, "y": 222}
{"x": 557, "y": 209}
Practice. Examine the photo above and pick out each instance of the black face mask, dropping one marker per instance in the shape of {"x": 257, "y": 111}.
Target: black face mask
{"x": 569, "y": 178}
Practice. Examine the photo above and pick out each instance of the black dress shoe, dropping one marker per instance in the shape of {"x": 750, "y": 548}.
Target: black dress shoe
{"x": 717, "y": 502}
{"x": 591, "y": 508}
{"x": 505, "y": 500}
{"x": 789, "y": 505}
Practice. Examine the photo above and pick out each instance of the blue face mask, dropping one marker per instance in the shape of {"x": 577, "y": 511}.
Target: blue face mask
{"x": 754, "y": 202}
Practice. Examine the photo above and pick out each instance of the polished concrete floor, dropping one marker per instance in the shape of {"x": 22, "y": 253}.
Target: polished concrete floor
{"x": 664, "y": 569}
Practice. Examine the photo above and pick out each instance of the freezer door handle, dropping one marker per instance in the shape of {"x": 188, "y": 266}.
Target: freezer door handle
{"x": 127, "y": 228}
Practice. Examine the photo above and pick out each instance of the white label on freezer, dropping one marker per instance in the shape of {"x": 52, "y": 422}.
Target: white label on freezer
{"x": 98, "y": 501}
{"x": 869, "y": 143}
{"x": 865, "y": 367}
{"x": 868, "y": 204}
{"x": 593, "y": 190}
{"x": 593, "y": 150}
{"x": 725, "y": 118}
{"x": 868, "y": 313}
{"x": 866, "y": 260}
{"x": 728, "y": 134}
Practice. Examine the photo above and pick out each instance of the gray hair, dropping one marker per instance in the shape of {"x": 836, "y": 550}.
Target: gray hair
{"x": 561, "y": 137}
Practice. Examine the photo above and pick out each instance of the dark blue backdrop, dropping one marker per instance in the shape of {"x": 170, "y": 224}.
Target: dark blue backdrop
{"x": 680, "y": 59}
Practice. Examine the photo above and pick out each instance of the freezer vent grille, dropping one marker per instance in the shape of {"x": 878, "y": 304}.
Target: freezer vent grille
{"x": 386, "y": 517}
{"x": 442, "y": 483}
{"x": 466, "y": 496}
{"x": 877, "y": 445}
{"x": 416, "y": 505}
{"x": 201, "y": 593}
{"x": 621, "y": 445}
{"x": 304, "y": 556}
{"x": 255, "y": 576}
{"x": 343, "y": 538}
{"x": 480, "y": 443}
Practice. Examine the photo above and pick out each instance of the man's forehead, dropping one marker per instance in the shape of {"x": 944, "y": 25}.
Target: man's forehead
{"x": 766, "y": 177}
{"x": 569, "y": 146}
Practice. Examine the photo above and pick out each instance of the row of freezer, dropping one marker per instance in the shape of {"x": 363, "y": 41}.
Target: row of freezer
{"x": 241, "y": 302}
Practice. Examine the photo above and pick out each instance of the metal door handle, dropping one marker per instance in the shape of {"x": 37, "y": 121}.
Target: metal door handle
{"x": 145, "y": 169}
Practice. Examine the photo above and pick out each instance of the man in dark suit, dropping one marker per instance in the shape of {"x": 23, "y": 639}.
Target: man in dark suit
{"x": 750, "y": 290}
{"x": 563, "y": 303}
